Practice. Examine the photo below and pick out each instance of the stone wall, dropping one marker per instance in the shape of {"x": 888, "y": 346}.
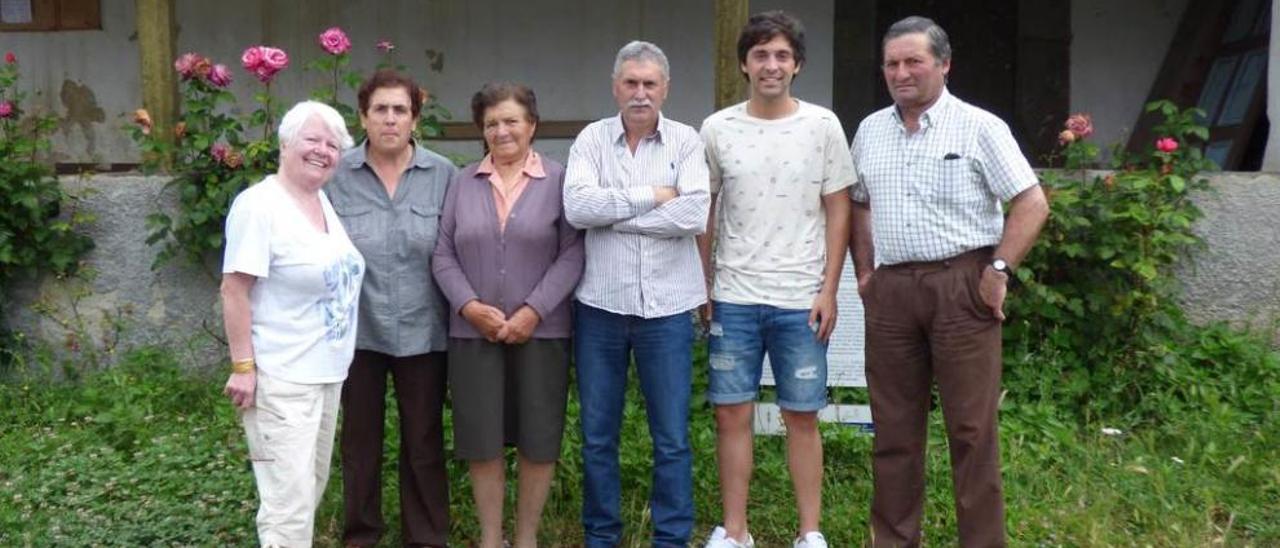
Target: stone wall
{"x": 1235, "y": 278}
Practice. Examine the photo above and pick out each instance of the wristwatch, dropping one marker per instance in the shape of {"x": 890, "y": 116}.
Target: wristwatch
{"x": 1000, "y": 265}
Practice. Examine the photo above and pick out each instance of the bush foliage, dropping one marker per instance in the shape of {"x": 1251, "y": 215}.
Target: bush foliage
{"x": 38, "y": 221}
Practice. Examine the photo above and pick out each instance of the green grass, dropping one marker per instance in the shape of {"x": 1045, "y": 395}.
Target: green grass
{"x": 145, "y": 454}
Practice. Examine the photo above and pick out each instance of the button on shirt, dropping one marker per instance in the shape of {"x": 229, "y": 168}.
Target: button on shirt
{"x": 402, "y": 312}
{"x": 641, "y": 257}
{"x": 536, "y": 260}
{"x": 937, "y": 193}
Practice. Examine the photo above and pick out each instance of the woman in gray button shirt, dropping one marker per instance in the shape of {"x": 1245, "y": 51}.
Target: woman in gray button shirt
{"x": 508, "y": 261}
{"x": 388, "y": 192}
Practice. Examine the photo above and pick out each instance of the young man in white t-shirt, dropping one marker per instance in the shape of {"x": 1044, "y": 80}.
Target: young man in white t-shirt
{"x": 779, "y": 173}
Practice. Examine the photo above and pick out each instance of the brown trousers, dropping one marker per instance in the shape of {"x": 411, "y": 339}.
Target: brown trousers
{"x": 420, "y": 382}
{"x": 926, "y": 322}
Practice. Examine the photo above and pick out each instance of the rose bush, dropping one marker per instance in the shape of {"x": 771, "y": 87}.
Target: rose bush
{"x": 1097, "y": 291}
{"x": 40, "y": 225}
{"x": 211, "y": 154}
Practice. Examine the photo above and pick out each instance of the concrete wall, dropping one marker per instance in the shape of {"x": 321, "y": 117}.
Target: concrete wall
{"x": 1237, "y": 276}
{"x": 176, "y": 305}
{"x": 563, "y": 48}
{"x": 1233, "y": 279}
{"x": 1116, "y": 52}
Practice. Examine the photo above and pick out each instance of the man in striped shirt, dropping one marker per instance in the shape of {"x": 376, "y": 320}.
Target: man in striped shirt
{"x": 935, "y": 170}
{"x": 637, "y": 182}
{"x": 779, "y": 173}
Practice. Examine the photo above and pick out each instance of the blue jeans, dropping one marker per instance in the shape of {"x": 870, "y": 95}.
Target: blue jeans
{"x": 741, "y": 334}
{"x": 663, "y": 348}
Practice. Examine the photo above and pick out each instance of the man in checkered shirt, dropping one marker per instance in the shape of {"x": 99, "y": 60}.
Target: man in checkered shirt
{"x": 936, "y": 170}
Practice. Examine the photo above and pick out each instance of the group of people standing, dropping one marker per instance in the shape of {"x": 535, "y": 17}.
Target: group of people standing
{"x": 345, "y": 267}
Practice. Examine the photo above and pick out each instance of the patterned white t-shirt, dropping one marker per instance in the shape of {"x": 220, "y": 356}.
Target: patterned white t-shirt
{"x": 303, "y": 304}
{"x": 770, "y": 177}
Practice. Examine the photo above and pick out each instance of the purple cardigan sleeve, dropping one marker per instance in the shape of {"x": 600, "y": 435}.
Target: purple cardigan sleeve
{"x": 561, "y": 278}
{"x": 444, "y": 260}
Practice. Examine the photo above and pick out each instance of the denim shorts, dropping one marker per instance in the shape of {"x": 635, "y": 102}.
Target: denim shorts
{"x": 740, "y": 335}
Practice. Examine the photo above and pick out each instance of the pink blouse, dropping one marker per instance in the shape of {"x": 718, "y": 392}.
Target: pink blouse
{"x": 505, "y": 196}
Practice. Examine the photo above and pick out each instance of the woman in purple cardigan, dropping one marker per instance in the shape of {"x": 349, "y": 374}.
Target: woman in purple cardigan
{"x": 508, "y": 262}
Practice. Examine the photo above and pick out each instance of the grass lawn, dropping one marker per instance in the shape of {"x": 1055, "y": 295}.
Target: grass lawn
{"x": 145, "y": 454}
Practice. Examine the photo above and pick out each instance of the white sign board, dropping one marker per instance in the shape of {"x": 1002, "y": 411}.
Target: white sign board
{"x": 845, "y": 352}
{"x": 768, "y": 418}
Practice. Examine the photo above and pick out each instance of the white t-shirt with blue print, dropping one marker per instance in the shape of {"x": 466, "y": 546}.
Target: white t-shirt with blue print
{"x": 303, "y": 304}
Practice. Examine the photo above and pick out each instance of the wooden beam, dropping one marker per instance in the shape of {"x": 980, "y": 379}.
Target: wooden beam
{"x": 156, "y": 43}
{"x": 731, "y": 16}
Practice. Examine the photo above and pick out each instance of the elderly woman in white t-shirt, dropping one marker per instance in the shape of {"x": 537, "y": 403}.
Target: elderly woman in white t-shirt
{"x": 290, "y": 285}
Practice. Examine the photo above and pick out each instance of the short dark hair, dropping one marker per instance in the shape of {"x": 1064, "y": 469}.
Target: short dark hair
{"x": 389, "y": 78}
{"x": 762, "y": 27}
{"x": 939, "y": 43}
{"x": 493, "y": 93}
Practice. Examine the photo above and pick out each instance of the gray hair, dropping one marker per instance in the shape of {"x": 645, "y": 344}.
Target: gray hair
{"x": 939, "y": 44}
{"x": 639, "y": 50}
{"x": 293, "y": 120}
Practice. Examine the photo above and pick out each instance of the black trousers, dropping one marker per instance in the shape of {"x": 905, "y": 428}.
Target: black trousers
{"x": 420, "y": 382}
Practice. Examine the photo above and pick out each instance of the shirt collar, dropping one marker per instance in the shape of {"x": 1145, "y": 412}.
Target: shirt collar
{"x": 532, "y": 166}
{"x": 360, "y": 156}
{"x": 933, "y": 114}
{"x": 620, "y": 129}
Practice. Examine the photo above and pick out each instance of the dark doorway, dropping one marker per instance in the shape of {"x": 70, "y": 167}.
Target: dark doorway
{"x": 1009, "y": 57}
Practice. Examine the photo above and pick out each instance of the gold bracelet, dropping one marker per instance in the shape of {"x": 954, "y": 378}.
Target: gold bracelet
{"x": 242, "y": 366}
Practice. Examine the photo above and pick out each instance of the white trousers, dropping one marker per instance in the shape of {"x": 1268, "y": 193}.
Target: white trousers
{"x": 290, "y": 431}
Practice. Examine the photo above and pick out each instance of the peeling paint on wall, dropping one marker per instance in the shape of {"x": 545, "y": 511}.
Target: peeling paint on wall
{"x": 82, "y": 111}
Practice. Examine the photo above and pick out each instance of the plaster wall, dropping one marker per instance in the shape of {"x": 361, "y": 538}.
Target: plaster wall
{"x": 1116, "y": 52}
{"x": 563, "y": 48}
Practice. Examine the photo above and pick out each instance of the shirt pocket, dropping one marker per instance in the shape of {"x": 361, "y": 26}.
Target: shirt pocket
{"x": 424, "y": 226}
{"x": 359, "y": 222}
{"x": 955, "y": 182}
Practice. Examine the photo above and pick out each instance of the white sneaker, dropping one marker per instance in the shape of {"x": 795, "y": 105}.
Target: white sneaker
{"x": 812, "y": 539}
{"x": 720, "y": 539}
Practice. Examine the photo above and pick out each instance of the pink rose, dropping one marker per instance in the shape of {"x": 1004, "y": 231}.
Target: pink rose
{"x": 6, "y": 109}
{"x": 220, "y": 76}
{"x": 251, "y": 58}
{"x": 219, "y": 151}
{"x": 385, "y": 46}
{"x": 335, "y": 41}
{"x": 264, "y": 61}
{"x": 1080, "y": 124}
{"x": 10, "y": 58}
{"x": 1066, "y": 137}
{"x": 186, "y": 65}
{"x": 273, "y": 60}
{"x": 1166, "y": 144}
